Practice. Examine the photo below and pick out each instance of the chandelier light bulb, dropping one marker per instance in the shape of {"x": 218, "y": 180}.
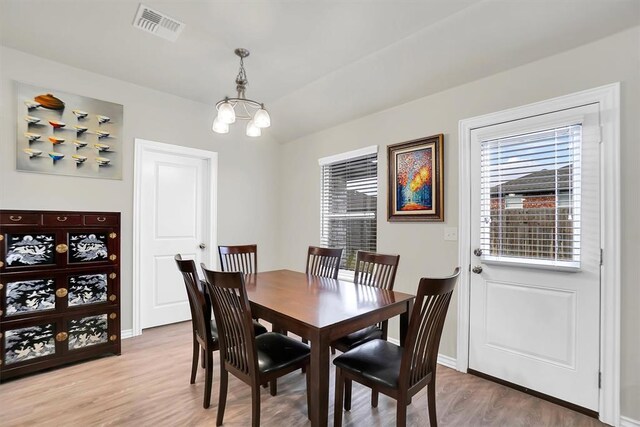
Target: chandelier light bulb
{"x": 262, "y": 118}
{"x": 253, "y": 130}
{"x": 226, "y": 113}
{"x": 219, "y": 126}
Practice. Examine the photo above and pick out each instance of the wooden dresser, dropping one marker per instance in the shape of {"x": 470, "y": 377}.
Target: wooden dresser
{"x": 59, "y": 288}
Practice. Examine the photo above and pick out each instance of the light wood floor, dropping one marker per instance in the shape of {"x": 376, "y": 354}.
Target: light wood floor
{"x": 149, "y": 386}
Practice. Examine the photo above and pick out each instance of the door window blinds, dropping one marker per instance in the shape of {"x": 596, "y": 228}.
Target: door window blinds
{"x": 530, "y": 201}
{"x": 348, "y": 206}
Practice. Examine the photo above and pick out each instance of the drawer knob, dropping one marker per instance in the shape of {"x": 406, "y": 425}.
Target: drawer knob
{"x": 61, "y": 336}
{"x": 113, "y": 257}
{"x": 1, "y": 264}
{"x": 112, "y": 235}
{"x": 15, "y": 218}
{"x": 62, "y": 218}
{"x": 1, "y": 237}
{"x": 113, "y": 337}
{"x": 62, "y": 248}
{"x": 112, "y": 297}
{"x": 111, "y": 276}
{"x": 61, "y": 293}
{"x": 101, "y": 218}
{"x": 113, "y": 316}
{"x": 1, "y": 286}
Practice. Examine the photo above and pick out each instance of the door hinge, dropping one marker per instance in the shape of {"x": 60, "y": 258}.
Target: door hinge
{"x": 599, "y": 379}
{"x": 601, "y": 256}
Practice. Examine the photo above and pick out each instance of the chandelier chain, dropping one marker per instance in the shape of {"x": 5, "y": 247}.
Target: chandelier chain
{"x": 241, "y": 79}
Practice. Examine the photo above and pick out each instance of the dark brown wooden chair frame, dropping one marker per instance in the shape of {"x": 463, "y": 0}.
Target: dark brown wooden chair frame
{"x": 419, "y": 357}
{"x": 238, "y": 353}
{"x": 201, "y": 324}
{"x": 243, "y": 258}
{"x": 378, "y": 270}
{"x": 323, "y": 262}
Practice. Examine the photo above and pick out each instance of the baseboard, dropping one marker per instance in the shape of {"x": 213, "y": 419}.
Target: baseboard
{"x": 126, "y": 333}
{"x": 628, "y": 422}
{"x": 448, "y": 361}
{"x": 393, "y": 341}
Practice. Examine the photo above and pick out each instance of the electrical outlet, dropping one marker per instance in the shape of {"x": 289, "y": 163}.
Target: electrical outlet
{"x": 450, "y": 233}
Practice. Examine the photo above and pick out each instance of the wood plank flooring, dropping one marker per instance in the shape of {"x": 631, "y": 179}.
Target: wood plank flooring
{"x": 149, "y": 386}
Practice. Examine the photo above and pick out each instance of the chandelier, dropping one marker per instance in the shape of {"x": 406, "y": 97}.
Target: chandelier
{"x": 241, "y": 108}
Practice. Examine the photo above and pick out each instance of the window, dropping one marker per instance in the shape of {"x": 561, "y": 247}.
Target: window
{"x": 349, "y": 203}
{"x": 530, "y": 200}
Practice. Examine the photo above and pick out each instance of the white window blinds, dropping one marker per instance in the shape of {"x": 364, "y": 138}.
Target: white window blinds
{"x": 530, "y": 201}
{"x": 348, "y": 206}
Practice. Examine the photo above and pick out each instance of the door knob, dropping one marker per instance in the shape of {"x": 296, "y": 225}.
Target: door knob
{"x": 477, "y": 252}
{"x": 477, "y": 269}
{"x": 202, "y": 246}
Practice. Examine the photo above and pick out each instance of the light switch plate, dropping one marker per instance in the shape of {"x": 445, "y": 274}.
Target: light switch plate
{"x": 450, "y": 233}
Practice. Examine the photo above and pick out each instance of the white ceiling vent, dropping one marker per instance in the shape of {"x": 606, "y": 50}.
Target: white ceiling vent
{"x": 157, "y": 23}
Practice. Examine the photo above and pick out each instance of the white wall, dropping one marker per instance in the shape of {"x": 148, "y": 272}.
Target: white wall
{"x": 421, "y": 246}
{"x": 247, "y": 167}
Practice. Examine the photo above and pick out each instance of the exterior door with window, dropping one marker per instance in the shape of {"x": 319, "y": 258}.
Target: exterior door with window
{"x": 535, "y": 294}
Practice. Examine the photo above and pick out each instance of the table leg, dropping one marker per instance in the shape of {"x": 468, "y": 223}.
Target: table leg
{"x": 319, "y": 371}
{"x": 404, "y": 321}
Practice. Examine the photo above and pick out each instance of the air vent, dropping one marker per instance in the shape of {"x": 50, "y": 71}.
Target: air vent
{"x": 157, "y": 23}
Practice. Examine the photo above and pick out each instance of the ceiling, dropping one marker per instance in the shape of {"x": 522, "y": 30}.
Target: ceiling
{"x": 314, "y": 64}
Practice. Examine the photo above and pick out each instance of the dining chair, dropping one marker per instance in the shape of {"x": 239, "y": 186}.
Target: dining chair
{"x": 204, "y": 329}
{"x": 205, "y": 337}
{"x": 243, "y": 258}
{"x": 400, "y": 372}
{"x": 377, "y": 270}
{"x": 255, "y": 360}
{"x": 323, "y": 262}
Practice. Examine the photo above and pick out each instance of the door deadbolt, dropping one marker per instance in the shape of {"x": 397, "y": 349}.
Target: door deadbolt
{"x": 477, "y": 269}
{"x": 202, "y": 246}
{"x": 477, "y": 252}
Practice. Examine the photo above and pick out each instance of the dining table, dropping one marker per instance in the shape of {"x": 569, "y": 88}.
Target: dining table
{"x": 322, "y": 310}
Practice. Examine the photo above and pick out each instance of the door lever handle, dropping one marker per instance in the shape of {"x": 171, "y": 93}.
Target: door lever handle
{"x": 202, "y": 246}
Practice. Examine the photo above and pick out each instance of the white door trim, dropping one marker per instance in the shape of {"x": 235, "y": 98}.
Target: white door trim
{"x": 608, "y": 97}
{"x": 143, "y": 147}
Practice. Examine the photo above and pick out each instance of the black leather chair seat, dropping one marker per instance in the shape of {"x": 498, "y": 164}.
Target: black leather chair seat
{"x": 376, "y": 360}
{"x": 258, "y": 328}
{"x": 277, "y": 351}
{"x": 359, "y": 337}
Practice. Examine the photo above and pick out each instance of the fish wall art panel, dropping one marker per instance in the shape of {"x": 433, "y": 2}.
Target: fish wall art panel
{"x": 65, "y": 134}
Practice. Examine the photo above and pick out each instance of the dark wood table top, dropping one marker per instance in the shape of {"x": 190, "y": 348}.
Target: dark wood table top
{"x": 316, "y": 301}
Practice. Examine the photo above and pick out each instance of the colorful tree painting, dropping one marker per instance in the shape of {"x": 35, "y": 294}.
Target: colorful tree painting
{"x": 414, "y": 180}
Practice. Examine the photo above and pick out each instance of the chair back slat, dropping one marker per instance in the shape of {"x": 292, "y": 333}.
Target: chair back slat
{"x": 377, "y": 270}
{"x": 198, "y": 303}
{"x": 323, "y": 262}
{"x": 243, "y": 258}
{"x": 425, "y": 328}
{"x": 233, "y": 317}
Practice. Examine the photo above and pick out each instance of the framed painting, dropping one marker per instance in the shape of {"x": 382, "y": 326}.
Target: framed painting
{"x": 416, "y": 180}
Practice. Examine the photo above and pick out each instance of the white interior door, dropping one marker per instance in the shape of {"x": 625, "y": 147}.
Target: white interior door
{"x": 535, "y": 241}
{"x": 174, "y": 219}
